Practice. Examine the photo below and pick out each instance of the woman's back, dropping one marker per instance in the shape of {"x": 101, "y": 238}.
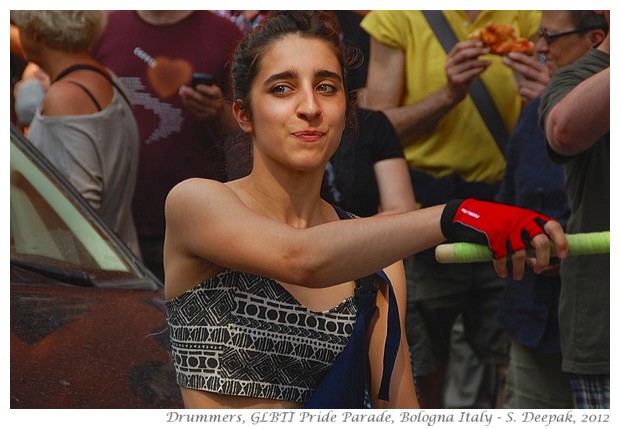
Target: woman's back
{"x": 97, "y": 152}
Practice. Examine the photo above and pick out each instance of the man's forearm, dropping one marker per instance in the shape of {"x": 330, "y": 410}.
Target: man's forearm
{"x": 581, "y": 117}
{"x": 415, "y": 120}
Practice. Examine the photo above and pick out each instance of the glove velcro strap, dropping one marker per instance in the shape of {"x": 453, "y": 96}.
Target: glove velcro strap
{"x": 447, "y": 218}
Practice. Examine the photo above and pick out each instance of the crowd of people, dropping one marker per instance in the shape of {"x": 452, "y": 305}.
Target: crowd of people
{"x": 291, "y": 205}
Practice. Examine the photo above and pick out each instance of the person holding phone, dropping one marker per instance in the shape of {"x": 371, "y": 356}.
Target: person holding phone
{"x": 155, "y": 54}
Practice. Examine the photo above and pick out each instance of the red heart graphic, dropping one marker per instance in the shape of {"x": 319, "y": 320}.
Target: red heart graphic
{"x": 168, "y": 75}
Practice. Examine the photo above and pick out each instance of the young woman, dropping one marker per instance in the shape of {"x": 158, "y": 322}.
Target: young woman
{"x": 263, "y": 279}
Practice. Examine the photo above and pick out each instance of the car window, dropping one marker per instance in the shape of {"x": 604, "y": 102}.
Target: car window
{"x": 49, "y": 230}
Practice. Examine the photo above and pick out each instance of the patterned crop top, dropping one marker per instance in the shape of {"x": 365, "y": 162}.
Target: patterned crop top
{"x": 246, "y": 335}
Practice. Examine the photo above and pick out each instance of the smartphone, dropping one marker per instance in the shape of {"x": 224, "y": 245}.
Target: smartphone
{"x": 202, "y": 78}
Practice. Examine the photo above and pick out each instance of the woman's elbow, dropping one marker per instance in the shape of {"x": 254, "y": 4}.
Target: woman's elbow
{"x": 305, "y": 267}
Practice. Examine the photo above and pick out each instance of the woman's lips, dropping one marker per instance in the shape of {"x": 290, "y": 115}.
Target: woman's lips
{"x": 309, "y": 135}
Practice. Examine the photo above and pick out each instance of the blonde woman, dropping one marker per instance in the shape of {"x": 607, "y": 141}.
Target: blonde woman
{"x": 85, "y": 124}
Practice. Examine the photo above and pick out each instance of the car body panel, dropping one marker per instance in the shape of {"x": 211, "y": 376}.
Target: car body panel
{"x": 88, "y": 326}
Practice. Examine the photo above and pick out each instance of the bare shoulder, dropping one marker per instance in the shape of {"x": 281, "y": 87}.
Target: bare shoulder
{"x": 198, "y": 193}
{"x": 64, "y": 98}
{"x": 201, "y": 201}
{"x": 189, "y": 186}
{"x": 194, "y": 212}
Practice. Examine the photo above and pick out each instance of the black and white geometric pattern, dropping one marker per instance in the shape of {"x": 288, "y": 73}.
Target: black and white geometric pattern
{"x": 246, "y": 335}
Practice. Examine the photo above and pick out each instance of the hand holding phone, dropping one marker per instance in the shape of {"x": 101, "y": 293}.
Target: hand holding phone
{"x": 202, "y": 78}
{"x": 204, "y": 101}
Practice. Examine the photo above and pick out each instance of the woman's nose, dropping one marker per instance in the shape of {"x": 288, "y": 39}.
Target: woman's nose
{"x": 309, "y": 106}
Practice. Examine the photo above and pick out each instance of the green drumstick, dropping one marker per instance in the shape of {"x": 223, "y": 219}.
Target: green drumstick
{"x": 589, "y": 243}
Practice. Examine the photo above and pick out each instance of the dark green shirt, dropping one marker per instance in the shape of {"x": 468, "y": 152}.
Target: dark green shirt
{"x": 584, "y": 300}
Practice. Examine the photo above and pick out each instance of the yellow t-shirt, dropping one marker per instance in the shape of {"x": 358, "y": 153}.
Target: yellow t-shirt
{"x": 460, "y": 143}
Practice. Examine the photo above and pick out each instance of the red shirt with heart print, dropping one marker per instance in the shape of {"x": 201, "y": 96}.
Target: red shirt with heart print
{"x": 152, "y": 62}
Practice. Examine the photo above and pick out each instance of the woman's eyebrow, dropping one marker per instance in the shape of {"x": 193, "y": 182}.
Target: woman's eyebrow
{"x": 280, "y": 76}
{"x": 291, "y": 74}
{"x": 328, "y": 74}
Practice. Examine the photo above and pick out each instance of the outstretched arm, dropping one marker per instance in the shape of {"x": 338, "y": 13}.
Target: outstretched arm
{"x": 207, "y": 221}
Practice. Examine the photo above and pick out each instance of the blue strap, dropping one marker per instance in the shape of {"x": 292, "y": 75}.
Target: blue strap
{"x": 392, "y": 341}
{"x": 344, "y": 386}
{"x": 367, "y": 294}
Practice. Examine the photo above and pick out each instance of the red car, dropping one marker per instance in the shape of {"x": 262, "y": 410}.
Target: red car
{"x": 88, "y": 327}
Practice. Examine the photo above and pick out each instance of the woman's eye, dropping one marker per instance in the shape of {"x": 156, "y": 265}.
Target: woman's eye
{"x": 280, "y": 89}
{"x": 325, "y": 87}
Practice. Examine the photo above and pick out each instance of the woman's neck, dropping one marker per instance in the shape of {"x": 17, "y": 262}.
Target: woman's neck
{"x": 55, "y": 62}
{"x": 294, "y": 199}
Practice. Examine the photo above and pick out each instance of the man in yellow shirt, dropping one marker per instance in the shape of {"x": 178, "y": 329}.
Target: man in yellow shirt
{"x": 424, "y": 91}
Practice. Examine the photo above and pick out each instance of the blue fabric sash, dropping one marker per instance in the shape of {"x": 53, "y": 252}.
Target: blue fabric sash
{"x": 346, "y": 384}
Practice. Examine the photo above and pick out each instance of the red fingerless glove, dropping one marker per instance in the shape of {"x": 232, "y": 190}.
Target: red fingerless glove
{"x": 503, "y": 228}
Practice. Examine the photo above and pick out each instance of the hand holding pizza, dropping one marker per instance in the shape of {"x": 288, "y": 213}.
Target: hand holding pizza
{"x": 463, "y": 65}
{"x": 532, "y": 75}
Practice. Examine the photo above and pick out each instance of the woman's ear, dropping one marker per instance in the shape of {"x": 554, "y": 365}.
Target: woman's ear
{"x": 242, "y": 117}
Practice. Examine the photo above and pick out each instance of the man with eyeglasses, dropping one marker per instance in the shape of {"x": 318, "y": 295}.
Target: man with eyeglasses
{"x": 575, "y": 114}
{"x": 562, "y": 30}
{"x": 550, "y": 37}
{"x": 529, "y": 308}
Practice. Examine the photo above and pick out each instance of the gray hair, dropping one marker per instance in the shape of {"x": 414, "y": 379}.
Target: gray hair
{"x": 71, "y": 30}
{"x": 588, "y": 19}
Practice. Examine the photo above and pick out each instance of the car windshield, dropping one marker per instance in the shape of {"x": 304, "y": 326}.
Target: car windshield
{"x": 53, "y": 235}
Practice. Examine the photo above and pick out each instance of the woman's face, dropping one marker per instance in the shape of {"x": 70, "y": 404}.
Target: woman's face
{"x": 298, "y": 104}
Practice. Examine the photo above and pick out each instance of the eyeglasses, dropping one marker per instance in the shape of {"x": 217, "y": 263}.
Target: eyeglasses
{"x": 550, "y": 37}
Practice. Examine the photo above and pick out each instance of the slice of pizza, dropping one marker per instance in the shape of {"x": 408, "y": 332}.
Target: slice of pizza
{"x": 501, "y": 39}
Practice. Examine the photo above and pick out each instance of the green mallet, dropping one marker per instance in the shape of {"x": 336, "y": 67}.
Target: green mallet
{"x": 590, "y": 243}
